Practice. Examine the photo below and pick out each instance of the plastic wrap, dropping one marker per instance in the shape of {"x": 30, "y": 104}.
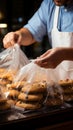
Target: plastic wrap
{"x": 11, "y": 60}
{"x": 4, "y": 105}
{"x": 31, "y": 73}
{"x": 35, "y": 87}
{"x": 60, "y": 88}
{"x": 29, "y": 88}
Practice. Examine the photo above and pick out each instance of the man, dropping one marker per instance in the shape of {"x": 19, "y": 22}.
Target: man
{"x": 54, "y": 18}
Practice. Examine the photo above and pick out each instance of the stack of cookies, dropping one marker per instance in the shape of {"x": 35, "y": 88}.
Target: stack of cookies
{"x": 67, "y": 89}
{"x": 54, "y": 95}
{"x": 13, "y": 90}
{"x": 60, "y": 92}
{"x": 32, "y": 95}
{"x": 4, "y": 105}
{"x": 6, "y": 77}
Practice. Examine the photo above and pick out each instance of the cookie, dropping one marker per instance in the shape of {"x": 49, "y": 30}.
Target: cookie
{"x": 68, "y": 97}
{"x": 37, "y": 87}
{"x": 53, "y": 102}
{"x": 2, "y": 100}
{"x": 13, "y": 94}
{"x": 11, "y": 102}
{"x": 16, "y": 85}
{"x": 5, "y": 106}
{"x": 2, "y": 70}
{"x": 28, "y": 106}
{"x": 30, "y": 98}
{"x": 67, "y": 82}
{"x": 68, "y": 90}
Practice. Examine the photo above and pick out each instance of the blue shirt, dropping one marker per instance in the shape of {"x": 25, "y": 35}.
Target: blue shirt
{"x": 42, "y": 21}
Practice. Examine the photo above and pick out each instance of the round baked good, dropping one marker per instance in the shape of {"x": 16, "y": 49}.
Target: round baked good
{"x": 3, "y": 82}
{"x": 5, "y": 106}
{"x": 30, "y": 97}
{"x": 67, "y": 82}
{"x": 2, "y": 70}
{"x": 37, "y": 87}
{"x": 16, "y": 85}
{"x": 5, "y": 75}
{"x": 53, "y": 102}
{"x": 2, "y": 100}
{"x": 67, "y": 86}
{"x": 11, "y": 102}
{"x": 68, "y": 97}
{"x": 68, "y": 90}
{"x": 28, "y": 106}
{"x": 13, "y": 94}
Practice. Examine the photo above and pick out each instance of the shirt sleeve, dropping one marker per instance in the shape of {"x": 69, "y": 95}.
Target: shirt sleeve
{"x": 37, "y": 24}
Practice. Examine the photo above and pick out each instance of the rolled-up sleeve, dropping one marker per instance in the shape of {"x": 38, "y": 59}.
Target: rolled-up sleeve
{"x": 37, "y": 24}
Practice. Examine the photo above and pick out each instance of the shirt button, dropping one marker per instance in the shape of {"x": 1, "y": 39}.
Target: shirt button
{"x": 65, "y": 10}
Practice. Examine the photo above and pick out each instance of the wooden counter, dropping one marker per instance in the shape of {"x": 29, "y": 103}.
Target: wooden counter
{"x": 55, "y": 118}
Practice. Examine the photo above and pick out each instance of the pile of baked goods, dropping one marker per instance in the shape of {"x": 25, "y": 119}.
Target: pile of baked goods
{"x": 6, "y": 77}
{"x": 67, "y": 89}
{"x": 32, "y": 96}
{"x": 4, "y": 105}
{"x": 54, "y": 95}
{"x": 59, "y": 93}
{"x": 29, "y": 96}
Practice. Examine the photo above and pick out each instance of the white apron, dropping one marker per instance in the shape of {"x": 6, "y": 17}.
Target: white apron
{"x": 62, "y": 39}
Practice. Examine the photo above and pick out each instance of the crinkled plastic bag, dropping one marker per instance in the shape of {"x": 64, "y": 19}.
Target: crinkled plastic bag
{"x": 4, "y": 105}
{"x": 36, "y": 87}
{"x": 60, "y": 87}
{"x": 37, "y": 82}
{"x": 56, "y": 94}
{"x": 13, "y": 58}
{"x": 31, "y": 82}
{"x": 31, "y": 73}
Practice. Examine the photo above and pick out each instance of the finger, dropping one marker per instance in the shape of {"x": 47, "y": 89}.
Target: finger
{"x": 8, "y": 44}
{"x": 45, "y": 54}
{"x": 46, "y": 65}
{"x": 41, "y": 60}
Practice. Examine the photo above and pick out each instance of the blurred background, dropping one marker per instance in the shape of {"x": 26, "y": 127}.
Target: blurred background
{"x": 14, "y": 14}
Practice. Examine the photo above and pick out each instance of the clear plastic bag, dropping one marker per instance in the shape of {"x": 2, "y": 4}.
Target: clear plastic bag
{"x": 13, "y": 58}
{"x": 39, "y": 87}
{"x": 37, "y": 82}
{"x": 35, "y": 77}
{"x": 4, "y": 105}
{"x": 31, "y": 73}
{"x": 60, "y": 87}
{"x": 31, "y": 83}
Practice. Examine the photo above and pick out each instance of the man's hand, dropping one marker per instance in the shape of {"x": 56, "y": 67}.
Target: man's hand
{"x": 51, "y": 58}
{"x": 21, "y": 37}
{"x": 10, "y": 39}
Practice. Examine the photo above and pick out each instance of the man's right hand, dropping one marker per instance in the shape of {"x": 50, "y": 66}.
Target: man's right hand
{"x": 10, "y": 39}
{"x": 21, "y": 37}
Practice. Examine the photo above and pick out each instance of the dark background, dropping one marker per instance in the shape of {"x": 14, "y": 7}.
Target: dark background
{"x": 16, "y": 13}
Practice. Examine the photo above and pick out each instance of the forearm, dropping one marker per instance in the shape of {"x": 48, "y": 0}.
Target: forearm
{"x": 67, "y": 53}
{"x": 54, "y": 56}
{"x": 26, "y": 37}
{"x": 62, "y": 53}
